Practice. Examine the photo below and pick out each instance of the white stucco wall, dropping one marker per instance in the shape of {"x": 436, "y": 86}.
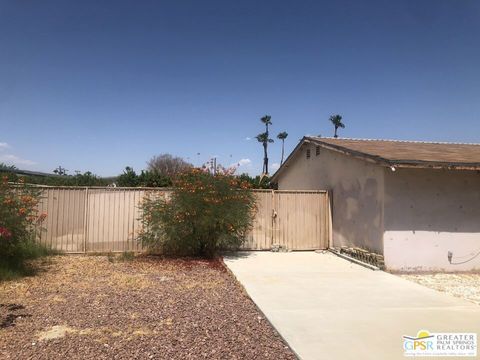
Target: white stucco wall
{"x": 428, "y": 213}
{"x": 357, "y": 189}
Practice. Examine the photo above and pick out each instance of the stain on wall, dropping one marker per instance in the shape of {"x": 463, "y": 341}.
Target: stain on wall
{"x": 429, "y": 213}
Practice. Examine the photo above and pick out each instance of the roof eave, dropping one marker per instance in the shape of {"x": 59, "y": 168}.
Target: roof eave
{"x": 435, "y": 165}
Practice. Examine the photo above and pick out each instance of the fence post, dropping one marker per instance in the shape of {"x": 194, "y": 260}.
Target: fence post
{"x": 85, "y": 214}
{"x": 272, "y": 234}
{"x": 329, "y": 222}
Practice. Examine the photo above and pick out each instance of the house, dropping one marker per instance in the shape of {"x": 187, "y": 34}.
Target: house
{"x": 415, "y": 203}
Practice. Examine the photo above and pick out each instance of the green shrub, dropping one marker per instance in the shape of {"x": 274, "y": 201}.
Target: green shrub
{"x": 258, "y": 182}
{"x": 130, "y": 178}
{"x": 204, "y": 214}
{"x": 20, "y": 224}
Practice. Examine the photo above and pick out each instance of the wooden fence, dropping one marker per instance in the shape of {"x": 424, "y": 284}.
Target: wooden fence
{"x": 84, "y": 220}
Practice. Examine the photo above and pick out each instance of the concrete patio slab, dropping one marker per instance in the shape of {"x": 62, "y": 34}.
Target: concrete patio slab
{"x": 328, "y": 308}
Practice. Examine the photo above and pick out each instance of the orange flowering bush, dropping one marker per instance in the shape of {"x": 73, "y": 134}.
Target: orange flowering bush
{"x": 204, "y": 214}
{"x": 19, "y": 222}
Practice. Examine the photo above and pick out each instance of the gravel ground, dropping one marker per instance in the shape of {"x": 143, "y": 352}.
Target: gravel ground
{"x": 90, "y": 307}
{"x": 465, "y": 286}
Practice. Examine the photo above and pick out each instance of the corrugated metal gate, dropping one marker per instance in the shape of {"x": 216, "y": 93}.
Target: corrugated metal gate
{"x": 107, "y": 219}
{"x": 293, "y": 220}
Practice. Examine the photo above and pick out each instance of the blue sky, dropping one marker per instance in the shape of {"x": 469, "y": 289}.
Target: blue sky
{"x": 98, "y": 86}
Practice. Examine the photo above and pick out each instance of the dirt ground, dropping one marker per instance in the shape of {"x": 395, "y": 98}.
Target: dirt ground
{"x": 93, "y": 307}
{"x": 465, "y": 286}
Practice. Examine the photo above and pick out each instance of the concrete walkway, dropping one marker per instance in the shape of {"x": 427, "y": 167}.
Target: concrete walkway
{"x": 328, "y": 308}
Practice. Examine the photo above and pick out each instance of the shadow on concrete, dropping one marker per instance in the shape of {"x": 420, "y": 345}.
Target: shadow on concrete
{"x": 241, "y": 254}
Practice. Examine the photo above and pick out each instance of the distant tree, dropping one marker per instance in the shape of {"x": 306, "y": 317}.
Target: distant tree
{"x": 86, "y": 179}
{"x": 267, "y": 120}
{"x": 168, "y": 165}
{"x": 257, "y": 182}
{"x": 8, "y": 172}
{"x": 264, "y": 140}
{"x": 282, "y": 136}
{"x": 6, "y": 167}
{"x": 336, "y": 120}
{"x": 129, "y": 178}
{"x": 151, "y": 179}
{"x": 146, "y": 178}
{"x": 60, "y": 171}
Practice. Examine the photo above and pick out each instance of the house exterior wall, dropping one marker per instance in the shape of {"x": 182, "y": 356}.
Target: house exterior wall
{"x": 357, "y": 193}
{"x": 429, "y": 213}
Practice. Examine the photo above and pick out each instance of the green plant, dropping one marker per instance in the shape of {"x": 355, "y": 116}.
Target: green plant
{"x": 126, "y": 256}
{"x": 20, "y": 224}
{"x": 204, "y": 214}
{"x": 336, "y": 120}
{"x": 264, "y": 139}
{"x": 153, "y": 179}
{"x": 257, "y": 182}
{"x": 129, "y": 178}
{"x": 282, "y": 136}
{"x": 146, "y": 178}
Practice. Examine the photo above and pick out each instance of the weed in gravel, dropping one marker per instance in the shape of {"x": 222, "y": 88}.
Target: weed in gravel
{"x": 126, "y": 256}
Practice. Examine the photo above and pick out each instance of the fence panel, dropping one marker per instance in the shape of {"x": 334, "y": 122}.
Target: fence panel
{"x": 113, "y": 219}
{"x": 107, "y": 219}
{"x": 64, "y": 228}
{"x": 260, "y": 237}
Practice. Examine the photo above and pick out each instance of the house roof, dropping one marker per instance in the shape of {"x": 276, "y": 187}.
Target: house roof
{"x": 457, "y": 156}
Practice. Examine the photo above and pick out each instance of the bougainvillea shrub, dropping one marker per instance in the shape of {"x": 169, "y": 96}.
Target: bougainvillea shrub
{"x": 20, "y": 223}
{"x": 204, "y": 214}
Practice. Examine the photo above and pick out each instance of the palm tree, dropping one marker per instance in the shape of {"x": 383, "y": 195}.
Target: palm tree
{"x": 267, "y": 120}
{"x": 264, "y": 139}
{"x": 282, "y": 136}
{"x": 336, "y": 120}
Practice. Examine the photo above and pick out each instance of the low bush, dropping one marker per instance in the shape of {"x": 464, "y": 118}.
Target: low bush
{"x": 20, "y": 224}
{"x": 204, "y": 214}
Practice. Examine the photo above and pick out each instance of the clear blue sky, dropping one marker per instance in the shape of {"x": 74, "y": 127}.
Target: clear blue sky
{"x": 98, "y": 85}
